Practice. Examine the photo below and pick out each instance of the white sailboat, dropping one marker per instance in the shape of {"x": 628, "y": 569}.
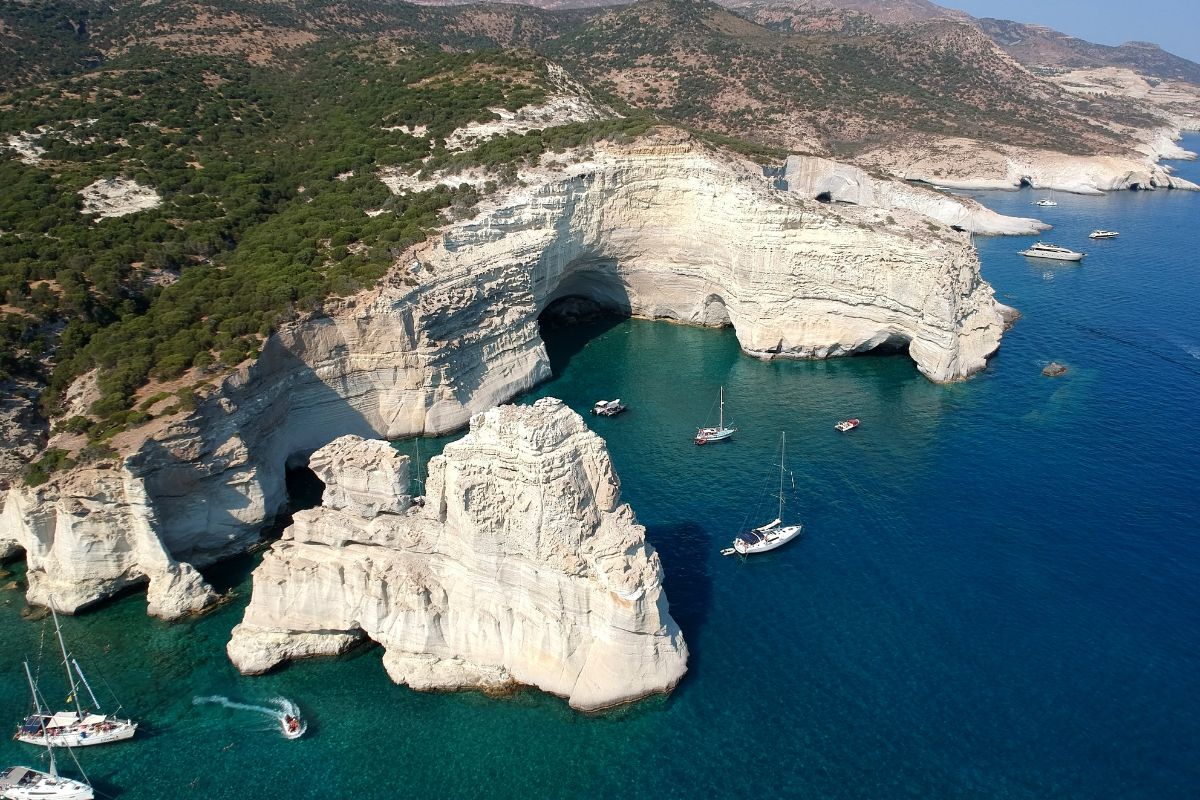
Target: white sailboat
{"x": 774, "y": 533}
{"x": 78, "y": 728}
{"x": 27, "y": 783}
{"x": 1048, "y": 200}
{"x": 719, "y": 433}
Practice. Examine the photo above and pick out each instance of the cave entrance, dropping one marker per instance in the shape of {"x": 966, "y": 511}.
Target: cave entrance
{"x": 893, "y": 344}
{"x": 589, "y": 299}
{"x": 304, "y": 488}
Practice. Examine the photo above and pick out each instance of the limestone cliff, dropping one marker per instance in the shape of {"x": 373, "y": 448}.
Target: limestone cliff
{"x": 663, "y": 228}
{"x": 971, "y": 164}
{"x": 815, "y": 177}
{"x": 92, "y": 533}
{"x": 522, "y": 566}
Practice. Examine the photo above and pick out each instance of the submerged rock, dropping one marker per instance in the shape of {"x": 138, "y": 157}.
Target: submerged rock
{"x": 522, "y": 567}
{"x": 1054, "y": 369}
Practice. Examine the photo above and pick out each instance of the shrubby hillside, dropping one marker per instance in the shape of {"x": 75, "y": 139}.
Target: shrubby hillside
{"x": 251, "y": 134}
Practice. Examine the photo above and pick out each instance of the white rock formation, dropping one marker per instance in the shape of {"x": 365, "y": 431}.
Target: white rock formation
{"x": 665, "y": 228}
{"x": 92, "y": 533}
{"x": 970, "y": 164}
{"x": 813, "y": 177}
{"x": 522, "y": 566}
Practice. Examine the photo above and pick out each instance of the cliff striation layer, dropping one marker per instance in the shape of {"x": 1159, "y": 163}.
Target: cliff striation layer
{"x": 521, "y": 567}
{"x": 664, "y": 228}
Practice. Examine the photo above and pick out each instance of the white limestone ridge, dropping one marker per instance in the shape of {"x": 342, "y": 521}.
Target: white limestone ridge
{"x": 522, "y": 566}
{"x": 814, "y": 177}
{"x": 961, "y": 163}
{"x": 91, "y": 534}
{"x": 665, "y": 228}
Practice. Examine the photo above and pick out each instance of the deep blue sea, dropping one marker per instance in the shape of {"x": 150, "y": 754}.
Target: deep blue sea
{"x": 997, "y": 594}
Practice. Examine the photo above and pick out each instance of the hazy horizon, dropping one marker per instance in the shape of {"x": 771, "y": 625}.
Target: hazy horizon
{"x": 1171, "y": 24}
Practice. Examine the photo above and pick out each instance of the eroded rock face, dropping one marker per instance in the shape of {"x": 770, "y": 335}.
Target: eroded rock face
{"x": 522, "y": 566}
{"x": 665, "y": 228}
{"x": 93, "y": 533}
{"x": 815, "y": 177}
{"x": 971, "y": 164}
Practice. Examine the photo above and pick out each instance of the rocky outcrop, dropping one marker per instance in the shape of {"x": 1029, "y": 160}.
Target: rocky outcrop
{"x": 521, "y": 566}
{"x": 833, "y": 181}
{"x": 90, "y": 534}
{"x": 663, "y": 228}
{"x": 970, "y": 164}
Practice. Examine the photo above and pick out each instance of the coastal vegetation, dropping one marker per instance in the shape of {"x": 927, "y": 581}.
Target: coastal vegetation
{"x": 265, "y": 175}
{"x": 259, "y": 131}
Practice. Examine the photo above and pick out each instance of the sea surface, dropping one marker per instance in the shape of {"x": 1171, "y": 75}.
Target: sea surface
{"x": 997, "y": 594}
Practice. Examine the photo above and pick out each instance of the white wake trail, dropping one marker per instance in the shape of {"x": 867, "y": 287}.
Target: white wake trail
{"x": 283, "y": 708}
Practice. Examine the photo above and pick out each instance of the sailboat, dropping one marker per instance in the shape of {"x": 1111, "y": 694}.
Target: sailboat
{"x": 719, "y": 433}
{"x": 1048, "y": 200}
{"x": 774, "y": 533}
{"x": 27, "y": 783}
{"x": 77, "y": 728}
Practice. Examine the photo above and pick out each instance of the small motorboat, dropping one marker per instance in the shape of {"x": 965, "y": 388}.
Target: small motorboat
{"x": 608, "y": 408}
{"x": 292, "y": 727}
{"x": 847, "y": 425}
{"x": 1100, "y": 233}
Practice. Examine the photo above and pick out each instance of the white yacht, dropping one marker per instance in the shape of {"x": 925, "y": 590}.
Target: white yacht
{"x": 608, "y": 408}
{"x": 27, "y": 783}
{"x": 78, "y": 728}
{"x": 1052, "y": 251}
{"x": 1100, "y": 233}
{"x": 774, "y": 533}
{"x": 1048, "y": 200}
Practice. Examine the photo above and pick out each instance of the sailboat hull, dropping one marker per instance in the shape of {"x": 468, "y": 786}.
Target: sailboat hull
{"x": 24, "y": 783}
{"x": 93, "y": 730}
{"x": 709, "y": 435}
{"x": 768, "y": 541}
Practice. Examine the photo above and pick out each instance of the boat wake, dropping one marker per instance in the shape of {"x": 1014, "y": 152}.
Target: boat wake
{"x": 285, "y": 713}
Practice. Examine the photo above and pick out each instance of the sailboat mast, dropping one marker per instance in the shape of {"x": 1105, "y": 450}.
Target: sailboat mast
{"x": 37, "y": 704}
{"x": 67, "y": 665}
{"x": 721, "y": 421}
{"x": 782, "y": 446}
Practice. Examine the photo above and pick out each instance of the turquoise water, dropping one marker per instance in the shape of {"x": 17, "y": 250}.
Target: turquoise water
{"x": 997, "y": 594}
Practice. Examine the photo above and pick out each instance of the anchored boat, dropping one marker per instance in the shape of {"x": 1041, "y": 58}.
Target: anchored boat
{"x": 27, "y": 783}
{"x": 772, "y": 535}
{"x": 1103, "y": 234}
{"x": 1052, "y": 252}
{"x": 719, "y": 433}
{"x": 847, "y": 425}
{"x": 78, "y": 728}
{"x": 608, "y": 408}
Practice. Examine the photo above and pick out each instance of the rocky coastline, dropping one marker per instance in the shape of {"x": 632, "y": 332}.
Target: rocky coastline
{"x": 660, "y": 228}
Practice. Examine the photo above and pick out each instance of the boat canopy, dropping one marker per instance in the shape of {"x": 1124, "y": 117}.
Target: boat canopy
{"x": 62, "y": 719}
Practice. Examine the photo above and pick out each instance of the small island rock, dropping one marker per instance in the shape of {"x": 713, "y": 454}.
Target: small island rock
{"x": 521, "y": 567}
